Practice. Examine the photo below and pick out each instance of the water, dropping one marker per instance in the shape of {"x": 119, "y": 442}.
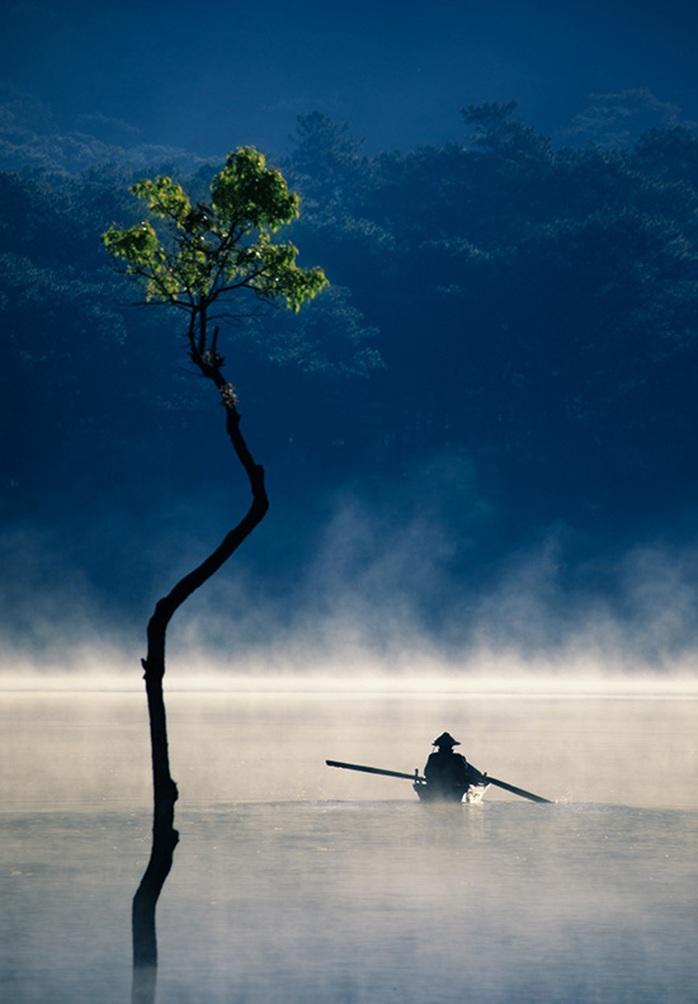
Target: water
{"x": 294, "y": 882}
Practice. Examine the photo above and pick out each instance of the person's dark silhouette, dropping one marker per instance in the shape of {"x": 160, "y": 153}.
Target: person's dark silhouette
{"x": 448, "y": 774}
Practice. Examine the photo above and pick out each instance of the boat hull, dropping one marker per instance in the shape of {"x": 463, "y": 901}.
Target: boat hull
{"x": 466, "y": 793}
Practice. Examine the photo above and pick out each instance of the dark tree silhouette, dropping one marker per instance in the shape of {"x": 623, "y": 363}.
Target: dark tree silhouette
{"x": 205, "y": 253}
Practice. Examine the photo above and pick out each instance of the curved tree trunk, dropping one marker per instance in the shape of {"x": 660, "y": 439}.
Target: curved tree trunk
{"x": 165, "y": 836}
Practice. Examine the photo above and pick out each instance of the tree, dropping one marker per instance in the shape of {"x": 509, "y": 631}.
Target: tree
{"x": 327, "y": 162}
{"x": 202, "y": 255}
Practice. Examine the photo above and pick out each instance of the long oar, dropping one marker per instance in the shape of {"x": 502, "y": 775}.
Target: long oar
{"x": 416, "y": 777}
{"x": 375, "y": 770}
{"x": 517, "y": 791}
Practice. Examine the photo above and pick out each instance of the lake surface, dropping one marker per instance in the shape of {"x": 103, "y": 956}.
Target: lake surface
{"x": 295, "y": 882}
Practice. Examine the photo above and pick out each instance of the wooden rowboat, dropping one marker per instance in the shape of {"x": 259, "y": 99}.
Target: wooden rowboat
{"x": 427, "y": 793}
{"x": 468, "y": 793}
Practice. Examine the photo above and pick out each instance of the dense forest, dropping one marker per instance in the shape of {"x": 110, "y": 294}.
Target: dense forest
{"x": 508, "y": 349}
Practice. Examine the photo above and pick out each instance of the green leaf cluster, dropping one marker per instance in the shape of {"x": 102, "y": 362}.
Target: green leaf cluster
{"x": 202, "y": 252}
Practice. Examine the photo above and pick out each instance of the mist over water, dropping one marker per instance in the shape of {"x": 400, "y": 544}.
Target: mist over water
{"x": 493, "y": 535}
{"x": 297, "y": 882}
{"x": 382, "y": 588}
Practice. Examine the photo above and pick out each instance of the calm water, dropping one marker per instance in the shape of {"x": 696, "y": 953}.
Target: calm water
{"x": 295, "y": 882}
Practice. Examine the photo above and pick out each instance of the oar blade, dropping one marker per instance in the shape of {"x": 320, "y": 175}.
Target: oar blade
{"x": 518, "y": 791}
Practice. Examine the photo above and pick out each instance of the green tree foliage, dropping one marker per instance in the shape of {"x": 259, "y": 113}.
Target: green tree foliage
{"x": 208, "y": 251}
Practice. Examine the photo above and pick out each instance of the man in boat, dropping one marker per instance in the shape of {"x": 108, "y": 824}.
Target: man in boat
{"x": 448, "y": 774}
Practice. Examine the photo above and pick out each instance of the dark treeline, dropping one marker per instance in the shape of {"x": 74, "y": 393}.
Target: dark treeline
{"x": 536, "y": 307}
{"x": 501, "y": 307}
